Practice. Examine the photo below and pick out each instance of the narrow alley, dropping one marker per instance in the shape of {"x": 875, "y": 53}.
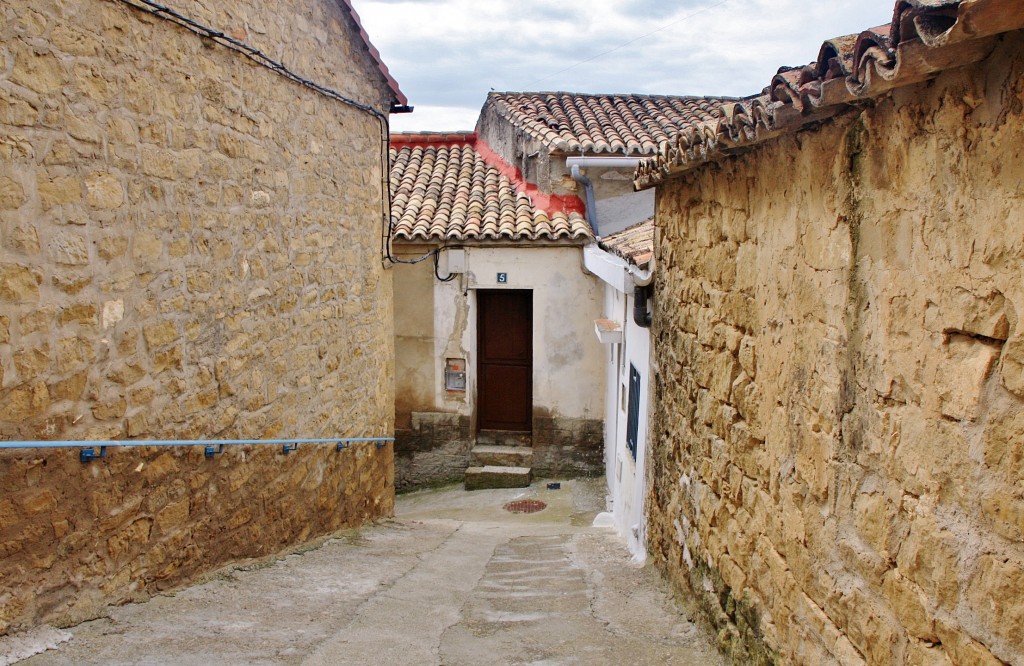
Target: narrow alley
{"x": 455, "y": 578}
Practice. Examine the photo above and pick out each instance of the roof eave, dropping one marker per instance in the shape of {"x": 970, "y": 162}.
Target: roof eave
{"x": 399, "y": 102}
{"x": 800, "y": 97}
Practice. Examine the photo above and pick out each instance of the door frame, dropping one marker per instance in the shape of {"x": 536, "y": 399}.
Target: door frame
{"x": 481, "y": 296}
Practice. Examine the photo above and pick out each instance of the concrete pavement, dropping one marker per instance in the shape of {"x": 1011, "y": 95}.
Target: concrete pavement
{"x": 454, "y": 579}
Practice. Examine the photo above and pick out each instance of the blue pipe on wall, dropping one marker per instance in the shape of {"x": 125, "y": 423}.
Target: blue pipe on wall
{"x": 93, "y": 449}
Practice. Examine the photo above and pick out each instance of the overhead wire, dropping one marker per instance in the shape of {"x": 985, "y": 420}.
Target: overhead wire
{"x": 387, "y": 231}
{"x": 250, "y": 52}
{"x": 263, "y": 60}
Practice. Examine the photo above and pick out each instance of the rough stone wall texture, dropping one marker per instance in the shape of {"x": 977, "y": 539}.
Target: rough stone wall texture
{"x": 529, "y": 156}
{"x": 437, "y": 448}
{"x": 433, "y": 450}
{"x": 837, "y": 458}
{"x": 189, "y": 247}
{"x": 567, "y": 447}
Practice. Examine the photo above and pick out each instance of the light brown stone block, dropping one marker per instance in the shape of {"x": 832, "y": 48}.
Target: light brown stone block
{"x": 38, "y": 70}
{"x": 58, "y": 190}
{"x": 19, "y": 283}
{"x": 159, "y": 335}
{"x": 12, "y": 194}
{"x": 994, "y": 593}
{"x": 104, "y": 190}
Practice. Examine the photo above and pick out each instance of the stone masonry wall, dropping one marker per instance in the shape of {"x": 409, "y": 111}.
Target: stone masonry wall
{"x": 433, "y": 450}
{"x": 189, "y": 248}
{"x": 566, "y": 447}
{"x": 437, "y": 448}
{"x": 838, "y": 450}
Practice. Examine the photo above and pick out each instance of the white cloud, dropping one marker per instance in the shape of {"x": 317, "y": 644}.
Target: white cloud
{"x": 446, "y": 54}
{"x": 437, "y": 119}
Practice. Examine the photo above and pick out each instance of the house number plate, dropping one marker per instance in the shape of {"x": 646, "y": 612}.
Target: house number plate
{"x": 502, "y": 278}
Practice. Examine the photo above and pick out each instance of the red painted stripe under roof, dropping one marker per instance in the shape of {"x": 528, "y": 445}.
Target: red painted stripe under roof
{"x": 549, "y": 203}
{"x": 432, "y": 138}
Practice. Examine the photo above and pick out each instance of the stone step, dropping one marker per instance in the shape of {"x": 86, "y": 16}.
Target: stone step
{"x": 503, "y": 456}
{"x": 504, "y": 438}
{"x": 496, "y": 476}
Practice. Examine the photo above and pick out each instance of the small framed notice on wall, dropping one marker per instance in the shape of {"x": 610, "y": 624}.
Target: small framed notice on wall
{"x": 455, "y": 375}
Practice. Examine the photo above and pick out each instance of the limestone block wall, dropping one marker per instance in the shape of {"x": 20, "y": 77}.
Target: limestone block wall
{"x": 839, "y": 433}
{"x": 189, "y": 248}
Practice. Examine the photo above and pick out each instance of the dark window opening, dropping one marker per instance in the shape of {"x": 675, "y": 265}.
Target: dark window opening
{"x": 633, "y": 416}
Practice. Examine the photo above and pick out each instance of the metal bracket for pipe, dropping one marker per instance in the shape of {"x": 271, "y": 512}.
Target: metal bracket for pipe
{"x": 342, "y": 445}
{"x": 90, "y": 454}
{"x": 381, "y": 444}
{"x": 288, "y": 448}
{"x": 211, "y": 450}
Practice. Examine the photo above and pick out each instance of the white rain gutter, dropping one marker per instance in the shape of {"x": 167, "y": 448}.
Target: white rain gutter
{"x": 612, "y": 269}
{"x": 575, "y": 163}
{"x": 603, "y": 162}
{"x": 641, "y": 278}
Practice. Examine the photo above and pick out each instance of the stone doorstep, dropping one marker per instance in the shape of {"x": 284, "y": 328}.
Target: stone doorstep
{"x": 503, "y": 456}
{"x": 495, "y": 476}
{"x": 504, "y": 438}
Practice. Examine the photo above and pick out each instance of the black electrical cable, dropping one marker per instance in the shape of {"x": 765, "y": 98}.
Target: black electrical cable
{"x": 253, "y": 54}
{"x": 387, "y": 231}
{"x": 267, "y": 62}
{"x": 437, "y": 259}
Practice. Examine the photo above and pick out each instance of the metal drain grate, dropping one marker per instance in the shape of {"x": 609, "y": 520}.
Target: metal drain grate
{"x": 526, "y": 506}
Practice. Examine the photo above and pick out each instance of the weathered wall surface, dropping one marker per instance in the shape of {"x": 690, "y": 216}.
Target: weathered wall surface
{"x": 517, "y": 148}
{"x": 618, "y": 206}
{"x": 837, "y": 465}
{"x": 189, "y": 247}
{"x": 436, "y": 431}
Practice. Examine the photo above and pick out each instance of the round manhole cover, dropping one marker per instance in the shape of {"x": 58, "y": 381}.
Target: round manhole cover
{"x": 525, "y": 506}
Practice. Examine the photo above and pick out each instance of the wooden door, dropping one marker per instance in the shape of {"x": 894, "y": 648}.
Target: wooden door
{"x": 505, "y": 360}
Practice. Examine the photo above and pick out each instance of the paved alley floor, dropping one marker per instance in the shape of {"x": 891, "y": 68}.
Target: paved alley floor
{"x": 453, "y": 579}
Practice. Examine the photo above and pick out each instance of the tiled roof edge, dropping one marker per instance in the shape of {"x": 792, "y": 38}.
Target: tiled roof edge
{"x": 432, "y": 138}
{"x": 555, "y": 219}
{"x": 634, "y": 244}
{"x": 400, "y": 99}
{"x": 925, "y": 37}
{"x": 499, "y": 94}
{"x": 560, "y": 147}
{"x": 542, "y": 201}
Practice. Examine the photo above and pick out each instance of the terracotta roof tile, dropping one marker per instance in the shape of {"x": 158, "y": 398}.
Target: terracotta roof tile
{"x": 635, "y": 244}
{"x": 443, "y": 189}
{"x": 624, "y": 124}
{"x": 399, "y": 102}
{"x": 924, "y": 38}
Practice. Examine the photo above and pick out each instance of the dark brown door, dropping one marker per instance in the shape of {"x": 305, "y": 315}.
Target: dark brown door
{"x": 505, "y": 366}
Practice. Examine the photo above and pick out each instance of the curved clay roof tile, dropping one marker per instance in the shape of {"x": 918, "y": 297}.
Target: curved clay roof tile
{"x": 449, "y": 192}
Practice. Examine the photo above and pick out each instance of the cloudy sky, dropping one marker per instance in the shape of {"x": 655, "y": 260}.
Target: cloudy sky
{"x": 447, "y": 54}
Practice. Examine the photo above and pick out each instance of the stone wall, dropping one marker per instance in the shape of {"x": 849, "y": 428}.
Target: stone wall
{"x": 567, "y": 447}
{"x": 189, "y": 247}
{"x": 436, "y": 448}
{"x": 837, "y": 456}
{"x": 433, "y": 450}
